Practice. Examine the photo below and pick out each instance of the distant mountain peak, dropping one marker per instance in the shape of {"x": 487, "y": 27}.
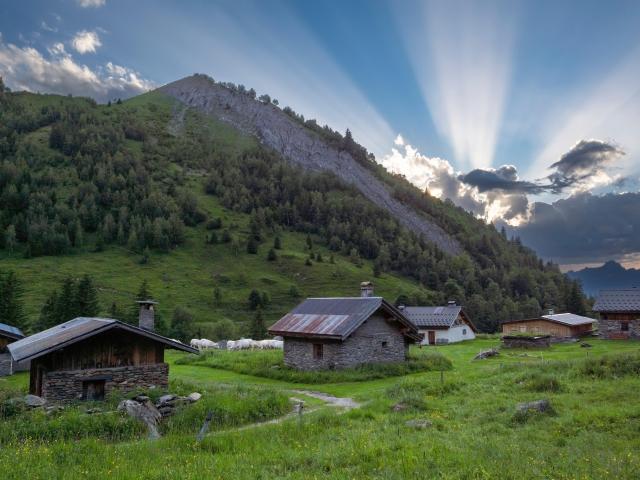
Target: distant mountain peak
{"x": 610, "y": 274}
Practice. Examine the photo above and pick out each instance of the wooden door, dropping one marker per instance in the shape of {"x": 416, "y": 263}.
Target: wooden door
{"x": 432, "y": 337}
{"x": 93, "y": 390}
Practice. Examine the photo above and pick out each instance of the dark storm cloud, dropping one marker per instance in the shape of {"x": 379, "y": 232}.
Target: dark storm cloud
{"x": 504, "y": 179}
{"x": 586, "y": 157}
{"x": 598, "y": 227}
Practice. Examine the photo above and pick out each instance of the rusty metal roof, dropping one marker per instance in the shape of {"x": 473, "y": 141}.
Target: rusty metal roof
{"x": 76, "y": 330}
{"x": 335, "y": 318}
{"x": 11, "y": 332}
{"x": 619, "y": 300}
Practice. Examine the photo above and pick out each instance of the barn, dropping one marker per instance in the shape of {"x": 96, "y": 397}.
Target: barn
{"x": 87, "y": 358}
{"x": 619, "y": 312}
{"x": 333, "y": 333}
{"x": 441, "y": 325}
{"x": 8, "y": 334}
{"x": 557, "y": 325}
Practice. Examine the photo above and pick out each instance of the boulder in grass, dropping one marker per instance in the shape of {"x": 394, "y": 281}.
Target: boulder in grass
{"x": 585, "y": 345}
{"x": 400, "y": 407}
{"x": 145, "y": 412}
{"x": 492, "y": 352}
{"x": 194, "y": 397}
{"x": 419, "y": 423}
{"x": 540, "y": 406}
{"x": 34, "y": 401}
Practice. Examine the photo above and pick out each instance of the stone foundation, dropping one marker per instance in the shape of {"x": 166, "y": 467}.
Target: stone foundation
{"x": 526, "y": 342}
{"x": 68, "y": 385}
{"x": 612, "y": 329}
{"x": 9, "y": 367}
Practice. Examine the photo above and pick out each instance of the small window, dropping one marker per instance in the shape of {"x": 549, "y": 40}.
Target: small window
{"x": 93, "y": 389}
{"x": 464, "y": 331}
{"x": 384, "y": 344}
{"x": 317, "y": 351}
{"x": 624, "y": 326}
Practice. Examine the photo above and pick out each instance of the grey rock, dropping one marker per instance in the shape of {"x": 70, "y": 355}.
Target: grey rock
{"x": 91, "y": 411}
{"x": 34, "y": 401}
{"x": 146, "y": 412}
{"x": 419, "y": 423}
{"x": 140, "y": 398}
{"x": 301, "y": 146}
{"x": 585, "y": 345}
{"x": 194, "y": 397}
{"x": 542, "y": 406}
{"x": 400, "y": 407}
{"x": 166, "y": 398}
{"x": 487, "y": 354}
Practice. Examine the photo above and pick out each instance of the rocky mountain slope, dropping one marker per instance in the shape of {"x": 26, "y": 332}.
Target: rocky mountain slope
{"x": 298, "y": 144}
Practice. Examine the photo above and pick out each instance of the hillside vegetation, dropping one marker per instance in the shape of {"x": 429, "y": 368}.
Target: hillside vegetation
{"x": 149, "y": 189}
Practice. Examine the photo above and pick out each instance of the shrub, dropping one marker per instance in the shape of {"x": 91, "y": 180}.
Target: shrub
{"x": 610, "y": 366}
{"x": 415, "y": 392}
{"x": 539, "y": 382}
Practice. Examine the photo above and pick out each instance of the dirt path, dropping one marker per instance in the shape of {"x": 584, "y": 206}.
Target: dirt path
{"x": 345, "y": 403}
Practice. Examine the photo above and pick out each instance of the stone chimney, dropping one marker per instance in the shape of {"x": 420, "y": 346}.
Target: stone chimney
{"x": 146, "y": 319}
{"x": 366, "y": 289}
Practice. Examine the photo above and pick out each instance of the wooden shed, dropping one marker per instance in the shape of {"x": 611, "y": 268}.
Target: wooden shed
{"x": 87, "y": 358}
{"x": 557, "y": 326}
{"x": 619, "y": 312}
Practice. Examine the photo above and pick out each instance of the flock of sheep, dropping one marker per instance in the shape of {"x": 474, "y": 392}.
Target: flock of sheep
{"x": 242, "y": 344}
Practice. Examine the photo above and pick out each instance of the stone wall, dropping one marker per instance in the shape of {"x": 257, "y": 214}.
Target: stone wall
{"x": 526, "y": 342}
{"x": 67, "y": 385}
{"x": 5, "y": 364}
{"x": 612, "y": 330}
{"x": 376, "y": 341}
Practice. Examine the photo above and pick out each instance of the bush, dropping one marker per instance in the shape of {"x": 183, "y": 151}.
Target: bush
{"x": 539, "y": 382}
{"x": 415, "y": 392}
{"x": 610, "y": 366}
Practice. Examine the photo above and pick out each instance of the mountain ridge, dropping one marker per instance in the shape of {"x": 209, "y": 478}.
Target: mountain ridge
{"x": 292, "y": 140}
{"x": 611, "y": 274}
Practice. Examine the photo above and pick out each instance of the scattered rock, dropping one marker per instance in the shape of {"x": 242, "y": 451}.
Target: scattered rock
{"x": 140, "y": 398}
{"x": 166, "y": 398}
{"x": 400, "y": 407}
{"x": 52, "y": 409}
{"x": 146, "y": 412}
{"x": 492, "y": 352}
{"x": 585, "y": 345}
{"x": 542, "y": 406}
{"x": 194, "y": 397}
{"x": 91, "y": 411}
{"x": 34, "y": 401}
{"x": 419, "y": 423}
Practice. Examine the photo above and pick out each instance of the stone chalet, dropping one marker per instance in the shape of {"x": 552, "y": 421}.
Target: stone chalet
{"x": 8, "y": 334}
{"x": 87, "y": 358}
{"x": 619, "y": 312}
{"x": 333, "y": 333}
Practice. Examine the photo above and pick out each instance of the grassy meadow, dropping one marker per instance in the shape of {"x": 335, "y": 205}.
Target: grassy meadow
{"x": 473, "y": 430}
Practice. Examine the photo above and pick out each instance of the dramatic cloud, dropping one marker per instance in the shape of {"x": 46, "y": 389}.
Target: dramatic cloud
{"x": 86, "y": 42}
{"x": 584, "y": 228}
{"x": 25, "y": 68}
{"x": 91, "y": 3}
{"x": 504, "y": 178}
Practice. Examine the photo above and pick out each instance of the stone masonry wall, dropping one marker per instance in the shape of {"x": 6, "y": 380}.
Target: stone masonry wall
{"x": 67, "y": 385}
{"x": 5, "y": 364}
{"x": 611, "y": 329}
{"x": 365, "y": 345}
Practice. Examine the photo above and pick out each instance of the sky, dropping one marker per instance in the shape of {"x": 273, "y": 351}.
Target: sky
{"x": 525, "y": 113}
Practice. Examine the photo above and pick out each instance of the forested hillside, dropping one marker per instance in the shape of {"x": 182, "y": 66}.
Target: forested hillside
{"x": 150, "y": 189}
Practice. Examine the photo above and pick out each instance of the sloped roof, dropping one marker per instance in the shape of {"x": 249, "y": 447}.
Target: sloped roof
{"x": 336, "y": 318}
{"x": 11, "y": 332}
{"x": 76, "y": 330}
{"x": 619, "y": 300}
{"x": 433, "y": 316}
{"x": 570, "y": 319}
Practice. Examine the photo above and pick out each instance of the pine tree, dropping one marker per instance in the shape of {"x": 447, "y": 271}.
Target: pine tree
{"x": 575, "y": 299}
{"x": 271, "y": 256}
{"x": 87, "y": 298}
{"x": 66, "y": 306}
{"x": 277, "y": 243}
{"x": 182, "y": 326}
{"x": 11, "y": 301}
{"x": 252, "y": 246}
{"x": 48, "y": 313}
{"x": 258, "y": 328}
{"x": 255, "y": 299}
{"x": 217, "y": 296}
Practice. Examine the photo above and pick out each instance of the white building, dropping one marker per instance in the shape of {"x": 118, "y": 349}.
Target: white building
{"x": 441, "y": 325}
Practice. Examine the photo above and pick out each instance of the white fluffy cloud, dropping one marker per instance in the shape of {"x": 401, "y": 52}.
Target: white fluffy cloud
{"x": 25, "y": 68}
{"x": 91, "y": 3}
{"x": 86, "y": 42}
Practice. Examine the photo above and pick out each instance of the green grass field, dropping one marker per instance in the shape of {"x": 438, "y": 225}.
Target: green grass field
{"x": 594, "y": 431}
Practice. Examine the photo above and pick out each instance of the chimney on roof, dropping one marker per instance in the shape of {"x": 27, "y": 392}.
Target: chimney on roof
{"x": 451, "y": 303}
{"x": 366, "y": 289}
{"x": 146, "y": 318}
{"x": 550, "y": 311}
